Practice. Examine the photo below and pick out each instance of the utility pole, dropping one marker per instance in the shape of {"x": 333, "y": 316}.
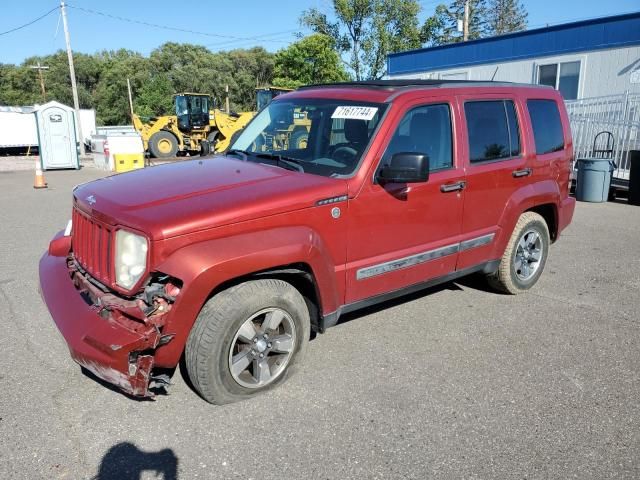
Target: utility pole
{"x": 465, "y": 22}
{"x": 130, "y": 98}
{"x": 72, "y": 74}
{"x": 40, "y": 68}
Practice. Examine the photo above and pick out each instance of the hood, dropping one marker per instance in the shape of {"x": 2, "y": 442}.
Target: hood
{"x": 184, "y": 197}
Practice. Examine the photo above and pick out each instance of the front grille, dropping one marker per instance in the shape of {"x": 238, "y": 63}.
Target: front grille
{"x": 91, "y": 244}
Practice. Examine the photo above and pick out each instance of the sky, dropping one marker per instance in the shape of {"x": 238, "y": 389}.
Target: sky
{"x": 217, "y": 24}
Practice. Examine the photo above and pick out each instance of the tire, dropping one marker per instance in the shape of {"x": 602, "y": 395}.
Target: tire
{"x": 298, "y": 139}
{"x": 519, "y": 270}
{"x": 163, "y": 144}
{"x": 220, "y": 336}
{"x": 205, "y": 148}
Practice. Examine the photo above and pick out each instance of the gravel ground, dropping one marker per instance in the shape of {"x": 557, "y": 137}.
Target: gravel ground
{"x": 456, "y": 382}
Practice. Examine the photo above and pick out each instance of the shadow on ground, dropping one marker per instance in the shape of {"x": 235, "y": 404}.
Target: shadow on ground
{"x": 125, "y": 461}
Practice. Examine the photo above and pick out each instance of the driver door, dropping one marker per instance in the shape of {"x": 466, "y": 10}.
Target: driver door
{"x": 405, "y": 234}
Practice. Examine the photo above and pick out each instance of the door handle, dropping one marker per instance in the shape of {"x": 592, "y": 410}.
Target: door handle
{"x": 453, "y": 187}
{"x": 525, "y": 172}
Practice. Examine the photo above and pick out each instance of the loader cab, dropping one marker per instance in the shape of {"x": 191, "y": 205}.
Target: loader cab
{"x": 264, "y": 95}
{"x": 192, "y": 110}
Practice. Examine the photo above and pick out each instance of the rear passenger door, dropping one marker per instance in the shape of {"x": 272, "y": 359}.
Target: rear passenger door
{"x": 495, "y": 168}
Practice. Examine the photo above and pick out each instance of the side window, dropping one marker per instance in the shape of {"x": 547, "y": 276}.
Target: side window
{"x": 425, "y": 130}
{"x": 546, "y": 125}
{"x": 493, "y": 130}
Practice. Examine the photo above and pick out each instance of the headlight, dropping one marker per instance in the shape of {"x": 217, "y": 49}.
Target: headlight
{"x": 131, "y": 258}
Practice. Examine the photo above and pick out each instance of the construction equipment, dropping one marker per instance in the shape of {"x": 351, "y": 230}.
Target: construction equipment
{"x": 194, "y": 122}
{"x": 292, "y": 135}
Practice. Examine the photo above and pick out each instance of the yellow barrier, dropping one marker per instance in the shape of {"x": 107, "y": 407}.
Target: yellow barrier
{"x": 128, "y": 161}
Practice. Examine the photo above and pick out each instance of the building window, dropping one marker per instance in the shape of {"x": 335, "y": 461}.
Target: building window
{"x": 493, "y": 130}
{"x": 561, "y": 76}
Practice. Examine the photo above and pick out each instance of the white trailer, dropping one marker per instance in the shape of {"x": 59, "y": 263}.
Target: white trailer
{"x": 18, "y": 126}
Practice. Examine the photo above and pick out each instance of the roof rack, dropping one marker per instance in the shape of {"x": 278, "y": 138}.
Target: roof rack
{"x": 393, "y": 84}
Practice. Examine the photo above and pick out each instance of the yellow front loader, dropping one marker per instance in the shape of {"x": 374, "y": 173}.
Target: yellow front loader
{"x": 295, "y": 135}
{"x": 193, "y": 123}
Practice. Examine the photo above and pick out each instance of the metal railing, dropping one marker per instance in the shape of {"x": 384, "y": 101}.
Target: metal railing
{"x": 617, "y": 114}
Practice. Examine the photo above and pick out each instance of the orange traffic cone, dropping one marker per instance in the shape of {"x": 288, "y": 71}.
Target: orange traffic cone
{"x": 39, "y": 180}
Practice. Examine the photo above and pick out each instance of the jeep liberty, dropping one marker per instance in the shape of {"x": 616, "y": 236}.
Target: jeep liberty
{"x": 231, "y": 261}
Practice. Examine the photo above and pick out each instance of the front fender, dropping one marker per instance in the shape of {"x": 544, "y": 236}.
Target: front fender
{"x": 204, "y": 266}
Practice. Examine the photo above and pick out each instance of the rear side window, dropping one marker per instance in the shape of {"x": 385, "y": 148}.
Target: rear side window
{"x": 493, "y": 130}
{"x": 546, "y": 124}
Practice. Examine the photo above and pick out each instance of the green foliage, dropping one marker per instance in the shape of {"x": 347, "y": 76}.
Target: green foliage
{"x": 365, "y": 31}
{"x": 486, "y": 18}
{"x": 505, "y": 16}
{"x": 442, "y": 27}
{"x": 169, "y": 69}
{"x": 310, "y": 60}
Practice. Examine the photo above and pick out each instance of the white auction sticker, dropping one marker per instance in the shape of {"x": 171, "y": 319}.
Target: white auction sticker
{"x": 354, "y": 112}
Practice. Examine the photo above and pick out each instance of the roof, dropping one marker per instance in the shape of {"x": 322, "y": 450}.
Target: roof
{"x": 401, "y": 83}
{"x": 588, "y": 35}
{"x": 388, "y": 90}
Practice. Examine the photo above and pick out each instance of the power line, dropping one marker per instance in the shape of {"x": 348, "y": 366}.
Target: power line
{"x": 31, "y": 22}
{"x": 164, "y": 27}
{"x": 260, "y": 38}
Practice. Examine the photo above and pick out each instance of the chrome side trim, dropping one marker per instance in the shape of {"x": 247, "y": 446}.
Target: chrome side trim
{"x": 477, "y": 242}
{"x": 422, "y": 257}
{"x": 405, "y": 262}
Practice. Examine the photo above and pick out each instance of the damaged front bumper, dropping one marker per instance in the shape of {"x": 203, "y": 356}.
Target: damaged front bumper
{"x": 101, "y": 338}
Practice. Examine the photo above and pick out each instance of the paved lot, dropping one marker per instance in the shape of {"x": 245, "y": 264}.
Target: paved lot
{"x": 454, "y": 383}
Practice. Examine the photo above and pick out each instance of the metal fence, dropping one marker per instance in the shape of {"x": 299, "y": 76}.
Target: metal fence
{"x": 616, "y": 114}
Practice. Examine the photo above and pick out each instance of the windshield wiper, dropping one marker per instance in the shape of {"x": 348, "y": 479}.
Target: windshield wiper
{"x": 242, "y": 153}
{"x": 281, "y": 161}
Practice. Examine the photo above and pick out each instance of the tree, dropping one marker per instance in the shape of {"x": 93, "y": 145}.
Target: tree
{"x": 442, "y": 27}
{"x": 505, "y": 16}
{"x": 155, "y": 97}
{"x": 171, "y": 68}
{"x": 310, "y": 60}
{"x": 394, "y": 29}
{"x": 365, "y": 31}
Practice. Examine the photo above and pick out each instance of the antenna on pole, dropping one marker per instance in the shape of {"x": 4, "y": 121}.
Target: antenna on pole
{"x": 40, "y": 68}
{"x": 72, "y": 74}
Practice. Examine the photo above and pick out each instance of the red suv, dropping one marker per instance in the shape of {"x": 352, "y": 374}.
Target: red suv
{"x": 231, "y": 261}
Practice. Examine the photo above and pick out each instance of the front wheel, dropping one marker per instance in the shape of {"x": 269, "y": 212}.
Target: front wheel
{"x": 163, "y": 144}
{"x": 525, "y": 256}
{"x": 246, "y": 340}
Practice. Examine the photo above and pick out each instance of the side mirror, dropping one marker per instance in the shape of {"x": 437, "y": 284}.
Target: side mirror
{"x": 405, "y": 167}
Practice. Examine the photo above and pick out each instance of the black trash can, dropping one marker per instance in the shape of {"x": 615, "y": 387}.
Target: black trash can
{"x": 634, "y": 177}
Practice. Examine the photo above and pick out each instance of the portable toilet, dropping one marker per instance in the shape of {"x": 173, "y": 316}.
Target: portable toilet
{"x": 57, "y": 139}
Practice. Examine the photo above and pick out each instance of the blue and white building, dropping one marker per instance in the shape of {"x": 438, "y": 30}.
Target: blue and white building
{"x": 584, "y": 59}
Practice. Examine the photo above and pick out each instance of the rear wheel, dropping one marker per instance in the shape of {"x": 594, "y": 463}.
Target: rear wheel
{"x": 246, "y": 340}
{"x": 163, "y": 145}
{"x": 525, "y": 256}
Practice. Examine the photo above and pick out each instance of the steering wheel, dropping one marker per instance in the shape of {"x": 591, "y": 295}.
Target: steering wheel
{"x": 344, "y": 154}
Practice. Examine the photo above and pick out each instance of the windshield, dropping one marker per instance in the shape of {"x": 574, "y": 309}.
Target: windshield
{"x": 319, "y": 136}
